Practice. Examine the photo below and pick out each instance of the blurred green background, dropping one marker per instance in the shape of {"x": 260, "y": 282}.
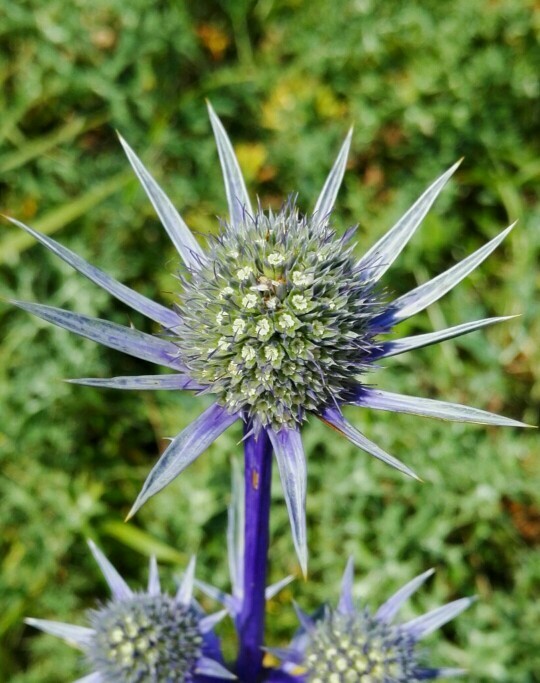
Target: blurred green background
{"x": 424, "y": 83}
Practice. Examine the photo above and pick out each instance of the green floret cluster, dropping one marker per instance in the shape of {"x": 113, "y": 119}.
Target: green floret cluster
{"x": 358, "y": 649}
{"x": 276, "y": 321}
{"x": 147, "y": 639}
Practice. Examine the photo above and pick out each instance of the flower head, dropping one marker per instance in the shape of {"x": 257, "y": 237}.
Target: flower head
{"x": 294, "y": 324}
{"x": 277, "y": 320}
{"x": 146, "y": 637}
{"x": 350, "y": 645}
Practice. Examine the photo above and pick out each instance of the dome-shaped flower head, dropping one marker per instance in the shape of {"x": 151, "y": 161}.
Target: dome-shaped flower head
{"x": 351, "y": 645}
{"x": 277, "y": 320}
{"x": 149, "y": 637}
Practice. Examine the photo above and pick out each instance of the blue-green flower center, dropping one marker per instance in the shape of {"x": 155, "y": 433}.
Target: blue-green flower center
{"x": 276, "y": 322}
{"x": 147, "y": 639}
{"x": 359, "y": 649}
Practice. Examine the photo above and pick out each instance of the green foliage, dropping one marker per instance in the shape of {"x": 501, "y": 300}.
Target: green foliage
{"x": 424, "y": 83}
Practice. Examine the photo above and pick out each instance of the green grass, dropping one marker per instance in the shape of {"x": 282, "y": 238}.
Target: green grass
{"x": 424, "y": 83}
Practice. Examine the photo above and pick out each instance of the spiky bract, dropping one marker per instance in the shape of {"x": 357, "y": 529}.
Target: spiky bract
{"x": 145, "y": 639}
{"x": 276, "y": 320}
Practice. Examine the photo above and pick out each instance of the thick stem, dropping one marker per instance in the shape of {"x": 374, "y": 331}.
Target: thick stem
{"x": 250, "y": 620}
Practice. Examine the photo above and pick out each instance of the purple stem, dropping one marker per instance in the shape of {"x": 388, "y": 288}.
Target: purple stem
{"x": 250, "y": 620}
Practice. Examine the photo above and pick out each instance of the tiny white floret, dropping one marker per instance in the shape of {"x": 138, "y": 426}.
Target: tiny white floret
{"x": 239, "y": 326}
{"x": 271, "y": 353}
{"x": 286, "y": 322}
{"x": 248, "y": 353}
{"x": 299, "y": 302}
{"x": 275, "y": 259}
{"x": 243, "y": 273}
{"x": 301, "y": 279}
{"x": 263, "y": 328}
{"x": 249, "y": 301}
{"x": 233, "y": 368}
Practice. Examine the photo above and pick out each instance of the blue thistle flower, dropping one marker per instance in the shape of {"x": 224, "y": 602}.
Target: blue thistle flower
{"x": 277, "y": 320}
{"x": 146, "y": 637}
{"x": 350, "y": 645}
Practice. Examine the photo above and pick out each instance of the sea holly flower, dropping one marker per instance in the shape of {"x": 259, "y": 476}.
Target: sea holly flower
{"x": 352, "y": 645}
{"x": 277, "y": 320}
{"x": 149, "y": 637}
